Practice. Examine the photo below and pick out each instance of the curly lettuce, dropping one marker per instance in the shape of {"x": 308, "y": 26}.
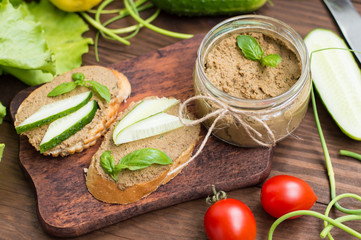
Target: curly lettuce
{"x": 38, "y": 41}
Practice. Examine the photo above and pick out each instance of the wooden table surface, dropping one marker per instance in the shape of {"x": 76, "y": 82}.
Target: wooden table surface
{"x": 299, "y": 155}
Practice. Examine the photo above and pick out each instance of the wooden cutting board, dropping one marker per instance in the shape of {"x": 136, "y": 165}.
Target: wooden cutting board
{"x": 66, "y": 209}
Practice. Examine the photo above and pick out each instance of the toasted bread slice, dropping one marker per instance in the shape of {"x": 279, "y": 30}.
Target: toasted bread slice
{"x": 119, "y": 88}
{"x": 134, "y": 185}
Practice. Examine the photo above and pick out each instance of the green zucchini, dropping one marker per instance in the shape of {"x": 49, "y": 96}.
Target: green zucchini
{"x": 53, "y": 111}
{"x": 67, "y": 126}
{"x": 337, "y": 79}
{"x": 208, "y": 7}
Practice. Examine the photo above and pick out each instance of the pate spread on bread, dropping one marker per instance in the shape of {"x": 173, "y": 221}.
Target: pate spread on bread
{"x": 134, "y": 185}
{"x": 119, "y": 88}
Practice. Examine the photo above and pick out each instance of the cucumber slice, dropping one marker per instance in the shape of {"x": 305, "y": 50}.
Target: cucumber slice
{"x": 337, "y": 79}
{"x": 143, "y": 110}
{"x": 151, "y": 126}
{"x": 67, "y": 126}
{"x": 53, "y": 111}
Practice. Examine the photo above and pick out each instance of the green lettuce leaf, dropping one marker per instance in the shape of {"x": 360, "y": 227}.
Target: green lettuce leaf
{"x": 23, "y": 44}
{"x": 62, "y": 32}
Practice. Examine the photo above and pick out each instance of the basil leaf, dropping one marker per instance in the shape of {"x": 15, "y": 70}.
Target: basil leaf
{"x": 102, "y": 90}
{"x": 145, "y": 157}
{"x": 78, "y": 76}
{"x": 136, "y": 160}
{"x": 2, "y": 146}
{"x": 62, "y": 88}
{"x": 107, "y": 162}
{"x": 250, "y": 47}
{"x": 271, "y": 60}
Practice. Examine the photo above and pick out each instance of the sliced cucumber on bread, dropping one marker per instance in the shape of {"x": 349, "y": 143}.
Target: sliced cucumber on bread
{"x": 151, "y": 126}
{"x": 53, "y": 111}
{"x": 134, "y": 185}
{"x": 67, "y": 126}
{"x": 118, "y": 86}
{"x": 142, "y": 110}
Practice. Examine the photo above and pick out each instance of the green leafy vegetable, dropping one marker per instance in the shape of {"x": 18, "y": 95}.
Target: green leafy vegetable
{"x": 62, "y": 88}
{"x": 253, "y": 51}
{"x": 250, "y": 47}
{"x": 271, "y": 60}
{"x": 2, "y": 113}
{"x": 23, "y": 43}
{"x": 78, "y": 76}
{"x": 136, "y": 160}
{"x": 2, "y": 147}
{"x": 100, "y": 89}
{"x": 39, "y": 41}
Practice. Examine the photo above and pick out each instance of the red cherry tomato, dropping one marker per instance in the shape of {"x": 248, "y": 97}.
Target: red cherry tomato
{"x": 230, "y": 219}
{"x": 283, "y": 194}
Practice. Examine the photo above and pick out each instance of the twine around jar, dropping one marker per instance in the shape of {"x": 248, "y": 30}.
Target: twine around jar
{"x": 220, "y": 113}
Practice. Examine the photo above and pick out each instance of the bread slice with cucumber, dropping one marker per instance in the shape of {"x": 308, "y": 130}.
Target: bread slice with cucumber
{"x": 132, "y": 185}
{"x": 71, "y": 122}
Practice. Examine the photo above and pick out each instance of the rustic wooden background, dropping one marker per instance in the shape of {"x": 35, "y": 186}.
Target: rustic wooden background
{"x": 299, "y": 155}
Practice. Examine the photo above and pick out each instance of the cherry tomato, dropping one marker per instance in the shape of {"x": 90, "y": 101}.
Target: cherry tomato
{"x": 283, "y": 194}
{"x": 230, "y": 219}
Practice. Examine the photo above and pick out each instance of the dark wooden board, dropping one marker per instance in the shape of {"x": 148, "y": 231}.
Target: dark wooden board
{"x": 66, "y": 209}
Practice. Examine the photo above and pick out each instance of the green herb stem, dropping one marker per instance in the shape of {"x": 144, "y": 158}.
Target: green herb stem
{"x": 133, "y": 27}
{"x": 121, "y": 13}
{"x": 104, "y": 29}
{"x": 346, "y": 218}
{"x": 331, "y": 175}
{"x": 106, "y": 11}
{"x": 101, "y": 8}
{"x": 2, "y": 147}
{"x": 129, "y": 5}
{"x": 329, "y": 207}
{"x": 350, "y": 154}
{"x": 124, "y": 14}
{"x": 314, "y": 214}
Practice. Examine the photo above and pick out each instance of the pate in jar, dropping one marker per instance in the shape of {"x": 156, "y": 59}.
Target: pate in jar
{"x": 260, "y": 105}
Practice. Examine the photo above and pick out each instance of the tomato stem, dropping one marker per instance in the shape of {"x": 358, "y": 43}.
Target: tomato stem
{"x": 216, "y": 197}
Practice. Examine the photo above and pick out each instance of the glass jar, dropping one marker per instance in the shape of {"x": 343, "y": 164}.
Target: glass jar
{"x": 262, "y": 122}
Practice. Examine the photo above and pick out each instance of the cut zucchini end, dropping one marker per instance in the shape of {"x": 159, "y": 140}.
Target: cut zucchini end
{"x": 356, "y": 137}
{"x": 336, "y": 77}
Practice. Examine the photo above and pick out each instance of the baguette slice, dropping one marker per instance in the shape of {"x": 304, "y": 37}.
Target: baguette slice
{"x": 119, "y": 88}
{"x": 134, "y": 185}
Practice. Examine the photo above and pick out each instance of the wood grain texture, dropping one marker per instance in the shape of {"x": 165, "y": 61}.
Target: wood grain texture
{"x": 63, "y": 200}
{"x": 299, "y": 156}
